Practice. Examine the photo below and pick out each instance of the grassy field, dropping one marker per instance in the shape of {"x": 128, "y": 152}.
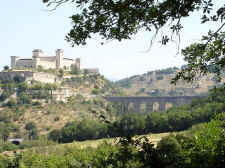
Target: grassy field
{"x": 154, "y": 138}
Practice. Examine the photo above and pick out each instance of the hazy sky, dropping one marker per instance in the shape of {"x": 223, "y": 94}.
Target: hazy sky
{"x": 26, "y": 25}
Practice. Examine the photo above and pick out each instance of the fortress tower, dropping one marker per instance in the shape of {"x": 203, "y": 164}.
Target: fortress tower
{"x": 14, "y": 59}
{"x": 77, "y": 63}
{"x": 59, "y": 58}
{"x": 37, "y": 53}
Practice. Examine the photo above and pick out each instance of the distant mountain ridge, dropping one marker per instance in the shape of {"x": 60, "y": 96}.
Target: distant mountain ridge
{"x": 157, "y": 83}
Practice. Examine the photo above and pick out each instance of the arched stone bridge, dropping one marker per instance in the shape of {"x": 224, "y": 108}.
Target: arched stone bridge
{"x": 135, "y": 103}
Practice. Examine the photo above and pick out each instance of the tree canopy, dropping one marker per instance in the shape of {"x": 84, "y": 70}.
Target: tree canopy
{"x": 120, "y": 19}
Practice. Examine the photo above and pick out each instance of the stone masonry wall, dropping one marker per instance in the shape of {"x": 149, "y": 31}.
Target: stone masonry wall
{"x": 67, "y": 63}
{"x": 44, "y": 77}
{"x": 29, "y": 76}
{"x": 11, "y": 75}
{"x": 46, "y": 64}
{"x": 24, "y": 63}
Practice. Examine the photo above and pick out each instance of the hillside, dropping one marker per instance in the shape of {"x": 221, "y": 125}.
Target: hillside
{"x": 53, "y": 115}
{"x": 23, "y": 102}
{"x": 91, "y": 85}
{"x": 157, "y": 83}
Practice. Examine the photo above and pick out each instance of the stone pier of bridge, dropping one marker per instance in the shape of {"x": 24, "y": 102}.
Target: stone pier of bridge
{"x": 149, "y": 102}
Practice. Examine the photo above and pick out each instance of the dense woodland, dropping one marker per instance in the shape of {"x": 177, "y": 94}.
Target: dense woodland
{"x": 197, "y": 131}
{"x": 203, "y": 141}
{"x": 175, "y": 119}
{"x": 203, "y": 144}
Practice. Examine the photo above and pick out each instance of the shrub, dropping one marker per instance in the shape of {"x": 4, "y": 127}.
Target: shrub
{"x": 96, "y": 91}
{"x": 32, "y": 130}
{"x": 24, "y": 99}
{"x": 75, "y": 70}
{"x": 79, "y": 131}
{"x": 56, "y": 118}
{"x": 11, "y": 103}
{"x": 30, "y": 125}
{"x": 7, "y": 146}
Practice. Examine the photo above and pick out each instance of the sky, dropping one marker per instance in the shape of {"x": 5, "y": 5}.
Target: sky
{"x": 27, "y": 25}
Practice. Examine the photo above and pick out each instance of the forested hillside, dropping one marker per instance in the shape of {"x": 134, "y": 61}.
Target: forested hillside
{"x": 203, "y": 141}
{"x": 29, "y": 110}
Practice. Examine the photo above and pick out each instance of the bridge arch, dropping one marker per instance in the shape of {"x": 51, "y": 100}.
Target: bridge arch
{"x": 136, "y": 103}
{"x": 155, "y": 106}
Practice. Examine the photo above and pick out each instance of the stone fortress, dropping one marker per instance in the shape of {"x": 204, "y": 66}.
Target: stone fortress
{"x": 39, "y": 59}
{"x": 36, "y": 69}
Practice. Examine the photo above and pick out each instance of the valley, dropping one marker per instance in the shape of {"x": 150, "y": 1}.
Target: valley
{"x": 77, "y": 114}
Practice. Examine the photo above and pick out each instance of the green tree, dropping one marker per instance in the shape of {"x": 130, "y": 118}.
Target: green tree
{"x": 32, "y": 130}
{"x": 50, "y": 87}
{"x": 4, "y": 133}
{"x": 209, "y": 144}
{"x": 55, "y": 135}
{"x": 18, "y": 79}
{"x": 75, "y": 70}
{"x": 6, "y": 68}
{"x": 11, "y": 103}
{"x": 30, "y": 125}
{"x": 40, "y": 68}
{"x": 79, "y": 131}
{"x": 129, "y": 125}
{"x": 23, "y": 99}
{"x": 22, "y": 87}
{"x": 170, "y": 152}
{"x": 61, "y": 73}
{"x": 157, "y": 122}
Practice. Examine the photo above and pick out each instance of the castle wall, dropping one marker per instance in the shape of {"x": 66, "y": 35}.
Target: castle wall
{"x": 29, "y": 76}
{"x": 62, "y": 94}
{"x": 11, "y": 75}
{"x": 78, "y": 63}
{"x": 46, "y": 64}
{"x": 92, "y": 71}
{"x": 51, "y": 59}
{"x": 14, "y": 59}
{"x": 24, "y": 63}
{"x": 44, "y": 77}
{"x": 67, "y": 63}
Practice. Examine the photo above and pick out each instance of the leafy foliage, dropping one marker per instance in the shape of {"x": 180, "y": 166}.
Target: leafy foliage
{"x": 205, "y": 148}
{"x": 79, "y": 131}
{"x": 175, "y": 119}
{"x": 119, "y": 20}
{"x": 32, "y": 130}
